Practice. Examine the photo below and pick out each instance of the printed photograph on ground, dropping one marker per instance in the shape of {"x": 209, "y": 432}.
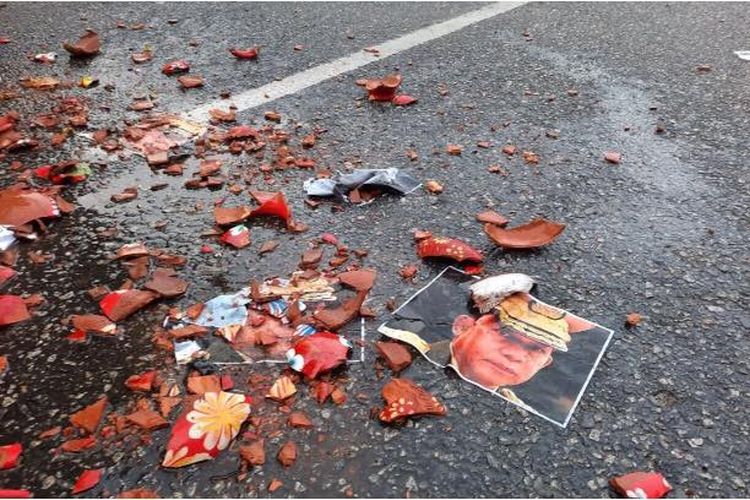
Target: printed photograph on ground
{"x": 535, "y": 355}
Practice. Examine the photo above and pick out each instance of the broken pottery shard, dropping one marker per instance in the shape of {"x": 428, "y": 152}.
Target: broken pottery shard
{"x": 535, "y": 234}
{"x": 287, "y": 454}
{"x": 633, "y": 319}
{"x": 238, "y": 236}
{"x": 335, "y": 318}
{"x": 612, "y": 157}
{"x": 489, "y": 292}
{"x": 131, "y": 250}
{"x": 299, "y": 419}
{"x": 361, "y": 280}
{"x": 201, "y": 384}
{"x": 138, "y": 493}
{"x": 403, "y": 100}
{"x": 254, "y": 453}
{"x": 641, "y": 485}
{"x": 20, "y": 206}
{"x": 249, "y": 53}
{"x": 165, "y": 285}
{"x": 9, "y": 455}
{"x": 383, "y": 89}
{"x": 88, "y": 45}
{"x": 120, "y": 304}
{"x": 281, "y": 389}
{"x": 206, "y": 428}
{"x": 492, "y": 217}
{"x": 93, "y": 323}
{"x": 318, "y": 353}
{"x": 12, "y": 310}
{"x": 311, "y": 258}
{"x": 78, "y": 445}
{"x": 233, "y": 215}
{"x": 396, "y": 355}
{"x": 88, "y": 419}
{"x": 190, "y": 81}
{"x": 8, "y": 493}
{"x": 87, "y": 480}
{"x": 187, "y": 331}
{"x": 143, "y": 382}
{"x": 268, "y": 246}
{"x": 271, "y": 204}
{"x": 404, "y": 399}
{"x": 449, "y": 248}
{"x": 174, "y": 67}
{"x": 148, "y": 420}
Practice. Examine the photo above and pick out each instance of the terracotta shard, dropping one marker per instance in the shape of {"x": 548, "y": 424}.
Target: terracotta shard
{"x": 318, "y": 353}
{"x": 287, "y": 454}
{"x": 396, "y": 355}
{"x": 492, "y": 217}
{"x": 175, "y": 67}
{"x": 202, "y": 384}
{"x": 334, "y": 319}
{"x": 403, "y": 100}
{"x": 449, "y": 248}
{"x": 93, "y": 323}
{"x": 88, "y": 45}
{"x": 641, "y": 485}
{"x": 361, "y": 280}
{"x": 130, "y": 250}
{"x": 88, "y": 419}
{"x": 78, "y": 445}
{"x": 9, "y": 455}
{"x": 147, "y": 420}
{"x": 405, "y": 399}
{"x": 311, "y": 258}
{"x": 138, "y": 493}
{"x": 233, "y": 215}
{"x": 535, "y": 234}
{"x": 254, "y": 453}
{"x": 120, "y": 304}
{"x": 190, "y": 81}
{"x": 299, "y": 419}
{"x": 12, "y": 310}
{"x": 187, "y": 331}
{"x": 142, "y": 382}
{"x": 87, "y": 480}
{"x": 21, "y": 206}
{"x": 282, "y": 389}
{"x": 166, "y": 286}
{"x": 633, "y": 319}
{"x": 272, "y": 204}
{"x": 383, "y": 89}
{"x": 268, "y": 246}
{"x": 249, "y": 53}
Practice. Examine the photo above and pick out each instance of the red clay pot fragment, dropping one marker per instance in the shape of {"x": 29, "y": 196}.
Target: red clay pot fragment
{"x": 534, "y": 234}
{"x": 404, "y": 399}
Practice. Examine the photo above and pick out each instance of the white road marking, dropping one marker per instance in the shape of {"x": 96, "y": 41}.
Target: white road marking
{"x": 299, "y": 81}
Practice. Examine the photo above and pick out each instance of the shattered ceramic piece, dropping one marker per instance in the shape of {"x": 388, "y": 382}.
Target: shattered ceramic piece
{"x": 360, "y": 280}
{"x": 534, "y": 234}
{"x": 299, "y": 419}
{"x": 318, "y": 353}
{"x": 225, "y": 216}
{"x": 335, "y": 318}
{"x": 287, "y": 454}
{"x": 206, "y": 428}
{"x": 12, "y": 310}
{"x": 404, "y": 399}
{"x": 282, "y": 389}
{"x": 238, "y": 236}
{"x": 89, "y": 418}
{"x": 254, "y": 453}
{"x": 449, "y": 248}
{"x": 492, "y": 217}
{"x": 87, "y": 480}
{"x": 9, "y": 455}
{"x": 165, "y": 284}
{"x": 383, "y": 89}
{"x": 93, "y": 323}
{"x": 88, "y": 45}
{"x": 489, "y": 292}
{"x": 20, "y": 206}
{"x": 147, "y": 419}
{"x": 271, "y": 204}
{"x": 120, "y": 304}
{"x": 249, "y": 53}
{"x": 641, "y": 485}
{"x": 395, "y": 355}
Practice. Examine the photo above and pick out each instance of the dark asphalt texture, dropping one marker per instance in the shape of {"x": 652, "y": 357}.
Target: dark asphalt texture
{"x": 664, "y": 233}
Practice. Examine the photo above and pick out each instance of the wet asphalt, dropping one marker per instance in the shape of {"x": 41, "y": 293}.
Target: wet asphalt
{"x": 664, "y": 234}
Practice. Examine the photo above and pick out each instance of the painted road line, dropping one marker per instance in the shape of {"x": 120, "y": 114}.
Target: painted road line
{"x": 300, "y": 81}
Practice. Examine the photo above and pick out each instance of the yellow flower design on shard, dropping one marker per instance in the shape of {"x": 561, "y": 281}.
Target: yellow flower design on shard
{"x": 217, "y": 416}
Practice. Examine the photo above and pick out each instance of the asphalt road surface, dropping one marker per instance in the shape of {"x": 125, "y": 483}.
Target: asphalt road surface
{"x": 664, "y": 233}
